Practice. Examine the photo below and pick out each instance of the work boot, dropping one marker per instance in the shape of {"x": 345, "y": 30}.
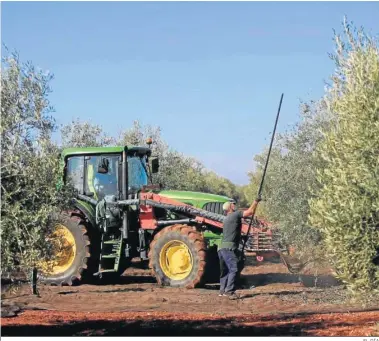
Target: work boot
{"x": 233, "y": 296}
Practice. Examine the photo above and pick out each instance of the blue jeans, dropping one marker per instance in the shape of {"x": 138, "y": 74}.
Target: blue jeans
{"x": 228, "y": 270}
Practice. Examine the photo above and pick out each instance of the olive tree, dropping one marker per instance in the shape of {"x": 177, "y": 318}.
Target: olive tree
{"x": 84, "y": 134}
{"x": 346, "y": 208}
{"x": 29, "y": 165}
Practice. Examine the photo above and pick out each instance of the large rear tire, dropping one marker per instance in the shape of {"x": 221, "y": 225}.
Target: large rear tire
{"x": 73, "y": 263}
{"x": 178, "y": 256}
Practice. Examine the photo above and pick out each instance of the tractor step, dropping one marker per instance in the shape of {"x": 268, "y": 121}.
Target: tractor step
{"x": 109, "y": 256}
{"x": 113, "y": 241}
{"x": 102, "y": 271}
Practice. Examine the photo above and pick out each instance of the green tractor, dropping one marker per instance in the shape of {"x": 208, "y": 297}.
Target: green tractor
{"x": 117, "y": 216}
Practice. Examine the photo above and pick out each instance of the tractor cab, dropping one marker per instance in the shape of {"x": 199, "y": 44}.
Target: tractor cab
{"x": 108, "y": 171}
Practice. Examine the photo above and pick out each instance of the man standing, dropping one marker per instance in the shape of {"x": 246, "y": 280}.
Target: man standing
{"x": 227, "y": 251}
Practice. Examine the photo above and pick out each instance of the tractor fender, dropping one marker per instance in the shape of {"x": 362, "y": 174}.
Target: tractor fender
{"x": 154, "y": 231}
{"x": 158, "y": 229}
{"x": 87, "y": 213}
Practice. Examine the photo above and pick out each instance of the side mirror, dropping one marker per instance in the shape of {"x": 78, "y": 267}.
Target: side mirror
{"x": 154, "y": 165}
{"x": 103, "y": 166}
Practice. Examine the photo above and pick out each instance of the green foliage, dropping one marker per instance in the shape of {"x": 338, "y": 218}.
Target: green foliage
{"x": 347, "y": 207}
{"x": 84, "y": 134}
{"x": 222, "y": 186}
{"x": 29, "y": 165}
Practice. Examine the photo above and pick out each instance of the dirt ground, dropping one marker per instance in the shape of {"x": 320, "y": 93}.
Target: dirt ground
{"x": 273, "y": 302}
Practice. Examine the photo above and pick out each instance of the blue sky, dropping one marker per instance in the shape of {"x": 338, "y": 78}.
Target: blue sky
{"x": 210, "y": 74}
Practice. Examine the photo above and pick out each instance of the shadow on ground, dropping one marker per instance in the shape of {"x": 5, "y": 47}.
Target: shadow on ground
{"x": 308, "y": 281}
{"x": 267, "y": 326}
{"x": 245, "y": 281}
{"x": 127, "y": 279}
{"x": 102, "y": 291}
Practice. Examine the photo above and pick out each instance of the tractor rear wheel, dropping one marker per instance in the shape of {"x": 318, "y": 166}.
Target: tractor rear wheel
{"x": 71, "y": 260}
{"x": 177, "y": 256}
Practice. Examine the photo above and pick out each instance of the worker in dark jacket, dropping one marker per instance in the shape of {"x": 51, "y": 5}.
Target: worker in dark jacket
{"x": 227, "y": 251}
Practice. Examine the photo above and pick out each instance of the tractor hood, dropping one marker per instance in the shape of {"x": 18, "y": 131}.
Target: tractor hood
{"x": 196, "y": 199}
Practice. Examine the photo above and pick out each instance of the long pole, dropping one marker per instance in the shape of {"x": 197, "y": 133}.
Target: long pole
{"x": 259, "y": 197}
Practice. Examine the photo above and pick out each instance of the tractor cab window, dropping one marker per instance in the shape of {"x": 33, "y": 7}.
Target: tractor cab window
{"x": 137, "y": 172}
{"x": 75, "y": 172}
{"x": 99, "y": 185}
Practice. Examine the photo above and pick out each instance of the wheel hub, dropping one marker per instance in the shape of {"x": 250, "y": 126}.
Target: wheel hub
{"x": 64, "y": 250}
{"x": 176, "y": 260}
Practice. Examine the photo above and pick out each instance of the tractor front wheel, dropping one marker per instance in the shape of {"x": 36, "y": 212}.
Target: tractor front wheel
{"x": 71, "y": 259}
{"x": 177, "y": 256}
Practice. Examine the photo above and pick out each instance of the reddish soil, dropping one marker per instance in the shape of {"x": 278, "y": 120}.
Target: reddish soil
{"x": 279, "y": 304}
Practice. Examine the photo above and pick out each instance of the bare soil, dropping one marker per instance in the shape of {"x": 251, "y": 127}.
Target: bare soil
{"x": 273, "y": 302}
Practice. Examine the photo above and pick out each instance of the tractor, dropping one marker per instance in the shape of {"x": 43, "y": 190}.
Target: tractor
{"x": 118, "y": 214}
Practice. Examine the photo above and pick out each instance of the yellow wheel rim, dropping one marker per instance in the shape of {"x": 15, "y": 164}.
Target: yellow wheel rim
{"x": 176, "y": 260}
{"x": 64, "y": 250}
